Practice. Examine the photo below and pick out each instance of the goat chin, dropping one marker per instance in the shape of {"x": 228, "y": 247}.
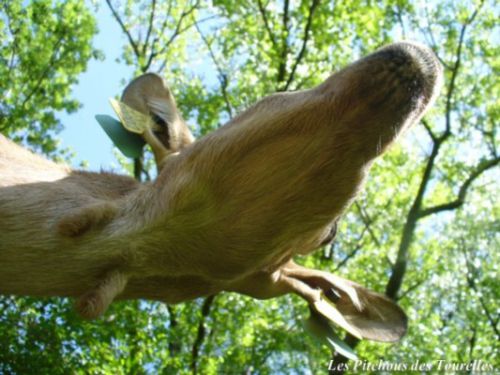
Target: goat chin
{"x": 227, "y": 212}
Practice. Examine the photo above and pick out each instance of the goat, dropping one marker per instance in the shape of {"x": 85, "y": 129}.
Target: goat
{"x": 227, "y": 212}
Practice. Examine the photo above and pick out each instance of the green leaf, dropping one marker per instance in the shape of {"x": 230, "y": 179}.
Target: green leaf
{"x": 128, "y": 143}
{"x": 340, "y": 346}
{"x": 318, "y": 327}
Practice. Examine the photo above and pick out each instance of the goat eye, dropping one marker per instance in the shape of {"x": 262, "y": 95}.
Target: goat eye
{"x": 333, "y": 231}
{"x": 331, "y": 235}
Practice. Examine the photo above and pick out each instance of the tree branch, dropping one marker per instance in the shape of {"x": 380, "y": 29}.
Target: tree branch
{"x": 200, "y": 336}
{"x": 131, "y": 40}
{"x": 399, "y": 268}
{"x": 173, "y": 348}
{"x": 178, "y": 31}
{"x": 367, "y": 221}
{"x": 438, "y": 141}
{"x": 429, "y": 130}
{"x": 266, "y": 23}
{"x": 222, "y": 77}
{"x": 472, "y": 342}
{"x": 411, "y": 288}
{"x": 432, "y": 40}
{"x": 347, "y": 257}
{"x": 14, "y": 38}
{"x": 303, "y": 49}
{"x": 456, "y": 67}
{"x": 138, "y": 168}
{"x": 43, "y": 76}
{"x": 462, "y": 192}
{"x": 165, "y": 20}
{"x": 200, "y": 21}
{"x": 400, "y": 20}
{"x": 472, "y": 284}
{"x": 150, "y": 26}
{"x": 284, "y": 43}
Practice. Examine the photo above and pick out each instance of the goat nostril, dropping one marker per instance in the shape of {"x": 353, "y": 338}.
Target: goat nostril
{"x": 416, "y": 66}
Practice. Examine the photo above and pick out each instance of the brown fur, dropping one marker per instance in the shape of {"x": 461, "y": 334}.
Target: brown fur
{"x": 228, "y": 212}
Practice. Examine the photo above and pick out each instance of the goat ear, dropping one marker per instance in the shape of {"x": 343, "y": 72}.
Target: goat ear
{"x": 374, "y": 316}
{"x": 360, "y": 311}
{"x": 150, "y": 95}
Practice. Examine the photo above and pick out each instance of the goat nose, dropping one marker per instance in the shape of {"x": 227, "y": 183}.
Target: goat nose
{"x": 392, "y": 83}
{"x": 414, "y": 67}
{"x": 383, "y": 94}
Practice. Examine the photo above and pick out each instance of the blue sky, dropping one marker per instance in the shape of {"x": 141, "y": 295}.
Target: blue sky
{"x": 102, "y": 80}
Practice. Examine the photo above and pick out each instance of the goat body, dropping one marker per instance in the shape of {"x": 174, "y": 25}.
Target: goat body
{"x": 227, "y": 212}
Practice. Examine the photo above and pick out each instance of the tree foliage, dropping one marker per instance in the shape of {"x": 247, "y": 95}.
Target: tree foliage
{"x": 43, "y": 47}
{"x": 425, "y": 229}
